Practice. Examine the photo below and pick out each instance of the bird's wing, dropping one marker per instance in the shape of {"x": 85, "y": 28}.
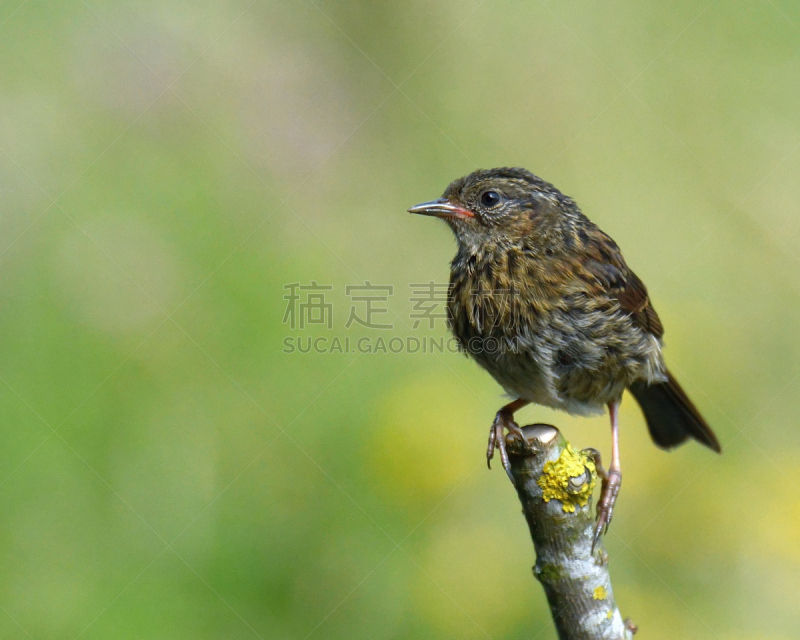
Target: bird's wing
{"x": 604, "y": 265}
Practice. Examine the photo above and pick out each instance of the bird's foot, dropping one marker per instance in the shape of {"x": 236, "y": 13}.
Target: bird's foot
{"x": 612, "y": 480}
{"x": 594, "y": 456}
{"x": 497, "y": 439}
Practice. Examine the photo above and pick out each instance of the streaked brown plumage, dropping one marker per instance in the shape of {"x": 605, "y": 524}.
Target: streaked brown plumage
{"x": 543, "y": 300}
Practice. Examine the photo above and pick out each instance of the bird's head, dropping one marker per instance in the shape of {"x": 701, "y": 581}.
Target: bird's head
{"x": 498, "y": 206}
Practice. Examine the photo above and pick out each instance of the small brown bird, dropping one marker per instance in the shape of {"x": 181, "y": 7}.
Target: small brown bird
{"x": 543, "y": 300}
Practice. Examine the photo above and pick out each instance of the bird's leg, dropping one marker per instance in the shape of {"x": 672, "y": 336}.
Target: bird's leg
{"x": 611, "y": 479}
{"x": 497, "y": 438}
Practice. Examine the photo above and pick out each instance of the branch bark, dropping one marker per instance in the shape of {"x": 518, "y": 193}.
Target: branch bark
{"x": 554, "y": 484}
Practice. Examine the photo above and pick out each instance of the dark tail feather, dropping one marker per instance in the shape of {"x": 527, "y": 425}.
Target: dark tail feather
{"x": 671, "y": 416}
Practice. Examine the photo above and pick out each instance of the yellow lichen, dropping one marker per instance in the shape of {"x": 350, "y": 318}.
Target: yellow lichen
{"x": 610, "y": 614}
{"x": 556, "y": 475}
{"x": 600, "y": 593}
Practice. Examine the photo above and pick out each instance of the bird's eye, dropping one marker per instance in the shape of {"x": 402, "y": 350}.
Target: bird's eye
{"x": 490, "y": 199}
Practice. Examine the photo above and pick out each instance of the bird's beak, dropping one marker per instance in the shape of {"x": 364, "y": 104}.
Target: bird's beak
{"x": 442, "y": 208}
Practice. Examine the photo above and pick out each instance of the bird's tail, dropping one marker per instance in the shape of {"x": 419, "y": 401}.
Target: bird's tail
{"x": 671, "y": 416}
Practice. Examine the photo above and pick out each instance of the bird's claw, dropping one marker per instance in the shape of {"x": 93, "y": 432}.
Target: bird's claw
{"x": 594, "y": 456}
{"x": 612, "y": 480}
{"x": 497, "y": 440}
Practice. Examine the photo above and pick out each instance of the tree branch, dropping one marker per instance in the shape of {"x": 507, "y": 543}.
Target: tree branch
{"x": 554, "y": 484}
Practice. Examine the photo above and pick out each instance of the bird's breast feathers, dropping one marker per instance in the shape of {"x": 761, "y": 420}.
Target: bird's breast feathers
{"x": 544, "y": 334}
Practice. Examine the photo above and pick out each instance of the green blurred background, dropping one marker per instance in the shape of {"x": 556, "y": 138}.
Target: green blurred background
{"x": 167, "y": 471}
